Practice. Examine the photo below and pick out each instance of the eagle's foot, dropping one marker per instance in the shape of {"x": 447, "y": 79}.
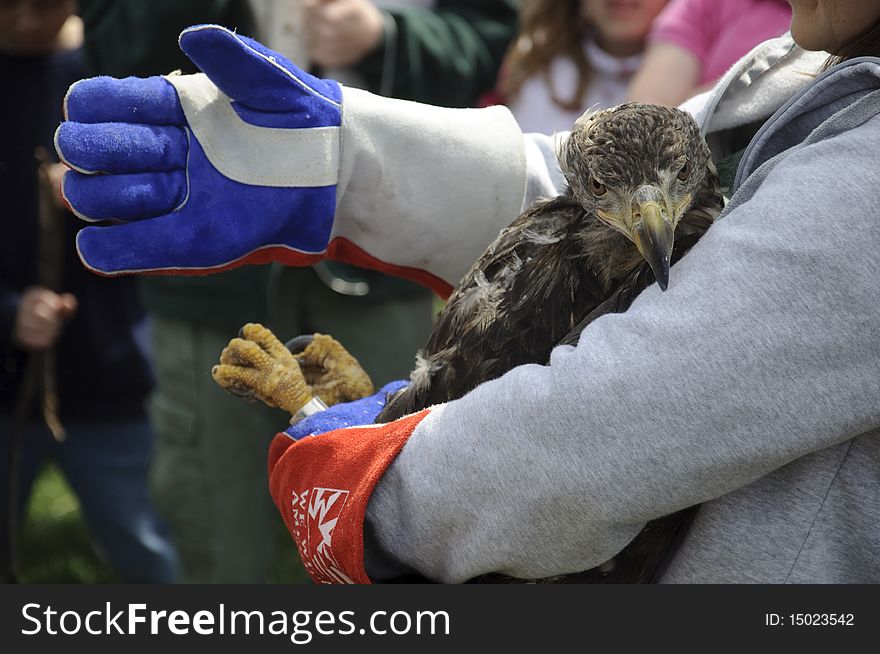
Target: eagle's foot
{"x": 332, "y": 373}
{"x": 257, "y": 366}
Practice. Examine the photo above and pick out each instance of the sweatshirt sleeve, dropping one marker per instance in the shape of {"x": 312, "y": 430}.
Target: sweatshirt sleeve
{"x": 764, "y": 349}
{"x": 448, "y": 55}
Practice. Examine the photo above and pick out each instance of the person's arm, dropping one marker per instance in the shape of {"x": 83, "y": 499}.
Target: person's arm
{"x": 680, "y": 40}
{"x": 668, "y": 75}
{"x": 764, "y": 349}
{"x": 448, "y": 55}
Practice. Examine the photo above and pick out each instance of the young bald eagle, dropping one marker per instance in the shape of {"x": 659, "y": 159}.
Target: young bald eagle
{"x": 642, "y": 188}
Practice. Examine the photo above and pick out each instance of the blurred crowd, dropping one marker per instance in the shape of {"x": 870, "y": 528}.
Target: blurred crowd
{"x": 110, "y": 377}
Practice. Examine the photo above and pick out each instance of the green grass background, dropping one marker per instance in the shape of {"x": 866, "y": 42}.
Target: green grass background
{"x": 55, "y": 545}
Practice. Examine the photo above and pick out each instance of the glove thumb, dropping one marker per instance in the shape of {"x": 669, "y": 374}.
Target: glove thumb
{"x": 250, "y": 73}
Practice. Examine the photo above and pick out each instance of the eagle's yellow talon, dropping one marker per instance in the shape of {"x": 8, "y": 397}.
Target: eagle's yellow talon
{"x": 333, "y": 373}
{"x": 257, "y": 365}
{"x": 262, "y": 369}
{"x": 266, "y": 340}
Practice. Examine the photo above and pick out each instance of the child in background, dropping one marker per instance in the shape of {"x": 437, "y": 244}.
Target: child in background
{"x": 693, "y": 42}
{"x": 571, "y": 56}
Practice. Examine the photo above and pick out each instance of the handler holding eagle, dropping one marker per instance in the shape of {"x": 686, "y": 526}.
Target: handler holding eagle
{"x": 749, "y": 387}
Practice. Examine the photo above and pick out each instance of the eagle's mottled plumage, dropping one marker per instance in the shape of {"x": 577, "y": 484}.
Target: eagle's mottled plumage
{"x": 566, "y": 261}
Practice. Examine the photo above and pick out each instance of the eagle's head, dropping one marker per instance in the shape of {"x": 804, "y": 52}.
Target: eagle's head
{"x": 639, "y": 168}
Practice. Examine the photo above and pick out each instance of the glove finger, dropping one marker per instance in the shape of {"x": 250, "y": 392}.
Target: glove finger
{"x": 167, "y": 245}
{"x": 123, "y": 197}
{"x": 267, "y": 341}
{"x": 252, "y": 74}
{"x": 121, "y": 147}
{"x": 151, "y": 101}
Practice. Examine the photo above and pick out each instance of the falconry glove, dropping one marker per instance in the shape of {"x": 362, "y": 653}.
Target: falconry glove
{"x": 207, "y": 172}
{"x": 255, "y": 160}
{"x": 348, "y": 414}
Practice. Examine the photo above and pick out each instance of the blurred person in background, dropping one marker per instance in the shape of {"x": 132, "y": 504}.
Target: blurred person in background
{"x": 440, "y": 51}
{"x": 694, "y": 42}
{"x": 209, "y": 483}
{"x": 572, "y": 56}
{"x": 74, "y": 375}
{"x": 445, "y": 52}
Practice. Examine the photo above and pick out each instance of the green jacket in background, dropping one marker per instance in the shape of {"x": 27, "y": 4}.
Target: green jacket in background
{"x": 448, "y": 55}
{"x": 131, "y": 37}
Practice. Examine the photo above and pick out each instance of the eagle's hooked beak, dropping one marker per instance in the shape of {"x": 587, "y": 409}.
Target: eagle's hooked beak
{"x": 653, "y": 237}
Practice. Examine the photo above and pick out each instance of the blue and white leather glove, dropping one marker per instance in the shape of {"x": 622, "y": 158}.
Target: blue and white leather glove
{"x": 208, "y": 172}
{"x": 348, "y": 414}
{"x": 254, "y": 160}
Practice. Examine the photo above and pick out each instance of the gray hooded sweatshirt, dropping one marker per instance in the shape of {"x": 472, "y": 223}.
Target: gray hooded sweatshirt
{"x": 750, "y": 387}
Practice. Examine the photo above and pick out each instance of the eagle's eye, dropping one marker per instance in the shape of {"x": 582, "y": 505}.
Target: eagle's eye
{"x": 597, "y": 187}
{"x": 685, "y": 172}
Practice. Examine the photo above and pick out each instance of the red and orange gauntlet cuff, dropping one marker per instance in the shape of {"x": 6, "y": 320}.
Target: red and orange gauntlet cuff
{"x": 322, "y": 486}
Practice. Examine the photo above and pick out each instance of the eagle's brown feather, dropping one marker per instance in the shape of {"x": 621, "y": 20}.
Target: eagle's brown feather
{"x": 558, "y": 267}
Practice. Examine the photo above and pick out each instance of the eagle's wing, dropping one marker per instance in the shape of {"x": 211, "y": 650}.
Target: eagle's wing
{"x": 617, "y": 302}
{"x": 708, "y": 203}
{"x": 527, "y": 290}
{"x": 621, "y": 297}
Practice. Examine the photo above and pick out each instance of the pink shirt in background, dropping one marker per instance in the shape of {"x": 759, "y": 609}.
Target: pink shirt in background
{"x": 719, "y": 32}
